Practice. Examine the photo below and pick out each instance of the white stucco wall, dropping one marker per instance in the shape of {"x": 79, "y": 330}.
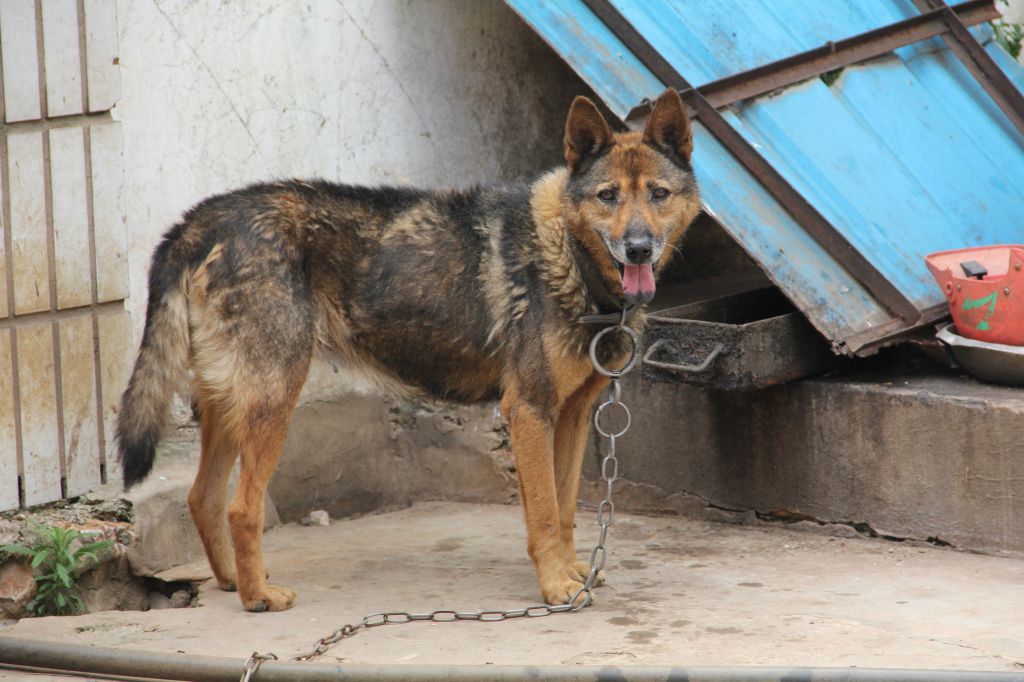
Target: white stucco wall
{"x": 217, "y": 94}
{"x": 1013, "y": 10}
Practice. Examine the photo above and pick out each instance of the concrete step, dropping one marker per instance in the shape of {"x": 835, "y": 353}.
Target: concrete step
{"x": 892, "y": 446}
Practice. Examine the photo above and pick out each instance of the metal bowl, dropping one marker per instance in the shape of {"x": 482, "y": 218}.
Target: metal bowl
{"x": 995, "y": 362}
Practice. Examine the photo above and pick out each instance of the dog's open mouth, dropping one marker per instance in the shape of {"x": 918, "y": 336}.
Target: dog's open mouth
{"x": 637, "y": 281}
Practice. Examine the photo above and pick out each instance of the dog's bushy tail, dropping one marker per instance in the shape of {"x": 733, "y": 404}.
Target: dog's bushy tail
{"x": 161, "y": 366}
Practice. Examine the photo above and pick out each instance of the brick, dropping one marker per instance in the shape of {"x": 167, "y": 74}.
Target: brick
{"x": 3, "y": 270}
{"x": 61, "y": 56}
{"x": 81, "y": 432}
{"x": 21, "y": 61}
{"x": 70, "y": 217}
{"x": 41, "y": 453}
{"x": 101, "y": 54}
{"x": 116, "y": 355}
{"x": 108, "y": 212}
{"x": 28, "y": 222}
{"x": 8, "y": 445}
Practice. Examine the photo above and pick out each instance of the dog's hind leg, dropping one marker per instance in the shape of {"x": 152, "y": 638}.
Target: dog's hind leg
{"x": 571, "y": 431}
{"x": 207, "y": 500}
{"x": 264, "y": 414}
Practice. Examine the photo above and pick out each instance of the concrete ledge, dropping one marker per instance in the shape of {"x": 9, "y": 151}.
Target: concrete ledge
{"x": 899, "y": 452}
{"x": 359, "y": 455}
{"x": 367, "y": 453}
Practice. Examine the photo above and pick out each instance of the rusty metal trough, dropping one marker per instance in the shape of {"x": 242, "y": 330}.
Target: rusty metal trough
{"x": 740, "y": 341}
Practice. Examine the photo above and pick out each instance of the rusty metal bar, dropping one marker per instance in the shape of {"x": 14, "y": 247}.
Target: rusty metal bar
{"x": 979, "y": 62}
{"x": 802, "y": 211}
{"x": 836, "y": 55}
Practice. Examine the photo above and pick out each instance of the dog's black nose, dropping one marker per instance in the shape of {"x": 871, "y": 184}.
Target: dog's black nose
{"x": 639, "y": 249}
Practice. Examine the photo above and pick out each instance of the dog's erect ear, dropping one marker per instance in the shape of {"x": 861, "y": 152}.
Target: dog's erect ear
{"x": 668, "y": 128}
{"x": 586, "y": 133}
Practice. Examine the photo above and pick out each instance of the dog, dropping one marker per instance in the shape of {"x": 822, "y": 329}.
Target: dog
{"x": 463, "y": 296}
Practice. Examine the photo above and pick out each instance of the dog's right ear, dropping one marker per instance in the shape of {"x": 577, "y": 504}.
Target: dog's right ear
{"x": 586, "y": 133}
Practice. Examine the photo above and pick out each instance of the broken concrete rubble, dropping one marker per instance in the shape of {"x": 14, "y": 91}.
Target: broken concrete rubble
{"x": 17, "y": 587}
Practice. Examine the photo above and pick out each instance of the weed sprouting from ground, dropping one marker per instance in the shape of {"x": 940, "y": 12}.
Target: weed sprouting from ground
{"x": 57, "y": 563}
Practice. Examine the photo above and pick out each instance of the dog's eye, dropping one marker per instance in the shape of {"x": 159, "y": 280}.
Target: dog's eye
{"x": 607, "y": 195}
{"x": 659, "y": 193}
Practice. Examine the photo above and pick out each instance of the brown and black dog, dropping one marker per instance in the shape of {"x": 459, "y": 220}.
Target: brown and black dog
{"x": 459, "y": 295}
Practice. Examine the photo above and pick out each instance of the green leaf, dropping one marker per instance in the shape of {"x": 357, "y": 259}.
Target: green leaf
{"x": 93, "y": 547}
{"x": 63, "y": 540}
{"x": 42, "y": 556}
{"x": 62, "y": 573}
{"x": 74, "y": 604}
{"x": 20, "y": 550}
{"x": 60, "y": 600}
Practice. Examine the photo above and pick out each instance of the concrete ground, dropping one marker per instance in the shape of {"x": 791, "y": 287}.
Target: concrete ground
{"x": 678, "y": 592}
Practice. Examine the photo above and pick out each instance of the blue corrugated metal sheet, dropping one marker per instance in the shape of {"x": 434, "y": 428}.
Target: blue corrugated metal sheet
{"x": 904, "y": 155}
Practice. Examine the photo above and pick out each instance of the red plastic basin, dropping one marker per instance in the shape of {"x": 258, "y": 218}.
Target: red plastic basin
{"x": 990, "y": 309}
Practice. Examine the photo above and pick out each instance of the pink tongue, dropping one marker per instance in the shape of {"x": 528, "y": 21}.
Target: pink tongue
{"x": 638, "y": 282}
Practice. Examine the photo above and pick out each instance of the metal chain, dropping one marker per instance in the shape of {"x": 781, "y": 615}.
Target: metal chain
{"x": 253, "y": 663}
{"x": 605, "y": 517}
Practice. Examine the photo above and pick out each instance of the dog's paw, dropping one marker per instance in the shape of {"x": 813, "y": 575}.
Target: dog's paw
{"x": 579, "y": 570}
{"x": 272, "y": 598}
{"x": 561, "y": 590}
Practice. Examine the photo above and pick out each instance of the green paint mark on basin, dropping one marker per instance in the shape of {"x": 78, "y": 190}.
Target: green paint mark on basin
{"x": 989, "y": 302}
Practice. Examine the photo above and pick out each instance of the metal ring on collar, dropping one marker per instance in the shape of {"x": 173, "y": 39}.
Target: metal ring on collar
{"x": 634, "y": 352}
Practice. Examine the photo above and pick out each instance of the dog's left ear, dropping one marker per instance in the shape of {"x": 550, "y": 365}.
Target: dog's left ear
{"x": 586, "y": 133}
{"x": 668, "y": 128}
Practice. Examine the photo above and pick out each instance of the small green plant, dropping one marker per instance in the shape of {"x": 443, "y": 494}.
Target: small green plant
{"x": 57, "y": 564}
{"x": 1010, "y": 36}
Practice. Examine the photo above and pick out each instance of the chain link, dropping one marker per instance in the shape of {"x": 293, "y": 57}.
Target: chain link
{"x": 598, "y": 555}
{"x": 253, "y": 663}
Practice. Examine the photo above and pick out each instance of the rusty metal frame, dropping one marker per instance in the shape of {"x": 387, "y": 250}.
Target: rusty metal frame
{"x": 937, "y": 19}
{"x": 832, "y": 55}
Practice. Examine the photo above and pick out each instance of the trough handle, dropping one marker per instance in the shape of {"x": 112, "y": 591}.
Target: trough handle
{"x": 677, "y": 368}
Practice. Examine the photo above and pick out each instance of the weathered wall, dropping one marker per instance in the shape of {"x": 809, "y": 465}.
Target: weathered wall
{"x": 216, "y": 95}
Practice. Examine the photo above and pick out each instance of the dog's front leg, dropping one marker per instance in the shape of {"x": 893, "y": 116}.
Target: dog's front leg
{"x": 532, "y": 432}
{"x": 571, "y": 431}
